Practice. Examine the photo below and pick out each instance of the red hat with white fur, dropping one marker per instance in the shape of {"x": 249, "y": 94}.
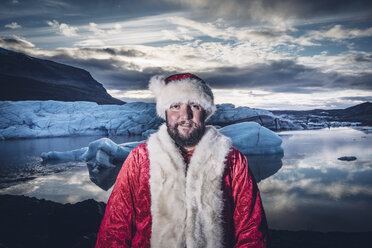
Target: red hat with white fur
{"x": 179, "y": 88}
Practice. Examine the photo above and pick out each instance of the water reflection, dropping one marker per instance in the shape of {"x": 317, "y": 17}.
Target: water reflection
{"x": 105, "y": 178}
{"x": 69, "y": 186}
{"x": 316, "y": 191}
{"x": 306, "y": 189}
{"x": 20, "y": 160}
{"x": 264, "y": 166}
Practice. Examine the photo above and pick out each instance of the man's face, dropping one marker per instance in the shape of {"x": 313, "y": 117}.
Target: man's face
{"x": 185, "y": 122}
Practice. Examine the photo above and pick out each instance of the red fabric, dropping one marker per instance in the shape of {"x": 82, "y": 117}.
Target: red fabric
{"x": 187, "y": 156}
{"x": 181, "y": 76}
{"x": 127, "y": 220}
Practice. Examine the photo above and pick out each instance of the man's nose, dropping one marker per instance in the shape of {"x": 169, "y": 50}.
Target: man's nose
{"x": 186, "y": 113}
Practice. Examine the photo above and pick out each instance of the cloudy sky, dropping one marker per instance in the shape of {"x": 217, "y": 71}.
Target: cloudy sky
{"x": 272, "y": 54}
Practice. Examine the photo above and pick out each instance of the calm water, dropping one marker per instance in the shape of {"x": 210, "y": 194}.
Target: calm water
{"x": 306, "y": 189}
{"x": 314, "y": 190}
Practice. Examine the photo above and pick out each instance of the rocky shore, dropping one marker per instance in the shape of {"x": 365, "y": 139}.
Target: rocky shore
{"x": 30, "y": 222}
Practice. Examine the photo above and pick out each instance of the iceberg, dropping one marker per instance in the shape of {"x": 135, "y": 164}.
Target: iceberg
{"x": 103, "y": 157}
{"x": 227, "y": 114}
{"x": 101, "y": 153}
{"x": 36, "y": 119}
{"x": 264, "y": 165}
{"x": 252, "y": 138}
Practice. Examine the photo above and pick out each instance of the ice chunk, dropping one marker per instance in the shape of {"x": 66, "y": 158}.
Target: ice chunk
{"x": 251, "y": 138}
{"x": 74, "y": 155}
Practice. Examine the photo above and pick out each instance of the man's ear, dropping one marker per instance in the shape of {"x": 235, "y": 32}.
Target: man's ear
{"x": 204, "y": 115}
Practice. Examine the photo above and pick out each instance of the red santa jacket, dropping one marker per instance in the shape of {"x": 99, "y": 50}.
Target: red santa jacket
{"x": 157, "y": 202}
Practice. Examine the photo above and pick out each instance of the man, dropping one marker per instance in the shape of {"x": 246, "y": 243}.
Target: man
{"x": 186, "y": 186}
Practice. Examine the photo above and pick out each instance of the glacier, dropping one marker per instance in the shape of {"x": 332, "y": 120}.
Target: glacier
{"x": 36, "y": 119}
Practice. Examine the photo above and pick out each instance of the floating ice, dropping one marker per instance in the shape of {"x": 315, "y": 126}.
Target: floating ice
{"x": 251, "y": 138}
{"x": 104, "y": 157}
{"x": 248, "y": 137}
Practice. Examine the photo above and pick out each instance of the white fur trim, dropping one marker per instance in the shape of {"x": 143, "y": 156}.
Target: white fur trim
{"x": 186, "y": 207}
{"x": 157, "y": 84}
{"x": 183, "y": 90}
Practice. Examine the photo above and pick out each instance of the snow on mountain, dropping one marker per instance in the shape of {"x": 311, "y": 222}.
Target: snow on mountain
{"x": 35, "y": 119}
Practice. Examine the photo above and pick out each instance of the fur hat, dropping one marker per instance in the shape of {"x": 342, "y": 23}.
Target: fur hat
{"x": 185, "y": 87}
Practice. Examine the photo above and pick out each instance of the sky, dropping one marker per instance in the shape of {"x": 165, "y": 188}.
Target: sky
{"x": 270, "y": 54}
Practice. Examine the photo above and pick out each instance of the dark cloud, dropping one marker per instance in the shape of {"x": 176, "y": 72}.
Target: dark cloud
{"x": 90, "y": 64}
{"x": 15, "y": 42}
{"x": 358, "y": 98}
{"x": 271, "y": 10}
{"x": 363, "y": 81}
{"x": 362, "y": 58}
{"x": 116, "y": 51}
{"x": 285, "y": 76}
{"x": 266, "y": 33}
{"x": 275, "y": 76}
{"x": 128, "y": 79}
{"x": 113, "y": 74}
{"x": 73, "y": 12}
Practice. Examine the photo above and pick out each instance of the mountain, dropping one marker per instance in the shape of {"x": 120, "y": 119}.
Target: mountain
{"x": 27, "y": 78}
{"x": 359, "y": 113}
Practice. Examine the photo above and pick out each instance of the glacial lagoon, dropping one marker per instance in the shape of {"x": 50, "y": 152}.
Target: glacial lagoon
{"x": 306, "y": 188}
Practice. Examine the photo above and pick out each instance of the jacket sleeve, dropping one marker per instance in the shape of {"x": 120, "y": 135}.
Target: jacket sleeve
{"x": 118, "y": 222}
{"x": 249, "y": 217}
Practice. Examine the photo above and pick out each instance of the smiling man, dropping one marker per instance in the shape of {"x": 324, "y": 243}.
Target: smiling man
{"x": 185, "y": 123}
{"x": 186, "y": 186}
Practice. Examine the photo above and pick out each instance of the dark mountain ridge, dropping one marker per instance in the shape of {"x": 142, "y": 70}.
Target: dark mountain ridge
{"x": 359, "y": 113}
{"x": 23, "y": 77}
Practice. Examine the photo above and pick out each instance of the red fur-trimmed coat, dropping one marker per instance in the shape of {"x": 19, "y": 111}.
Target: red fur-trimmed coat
{"x": 157, "y": 202}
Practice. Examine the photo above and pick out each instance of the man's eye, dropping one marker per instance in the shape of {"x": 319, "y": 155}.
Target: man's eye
{"x": 196, "y": 106}
{"x": 175, "y": 106}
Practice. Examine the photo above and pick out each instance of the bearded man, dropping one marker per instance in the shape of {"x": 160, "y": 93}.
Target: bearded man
{"x": 186, "y": 186}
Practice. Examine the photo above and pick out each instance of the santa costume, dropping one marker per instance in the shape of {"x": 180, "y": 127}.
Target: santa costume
{"x": 160, "y": 199}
